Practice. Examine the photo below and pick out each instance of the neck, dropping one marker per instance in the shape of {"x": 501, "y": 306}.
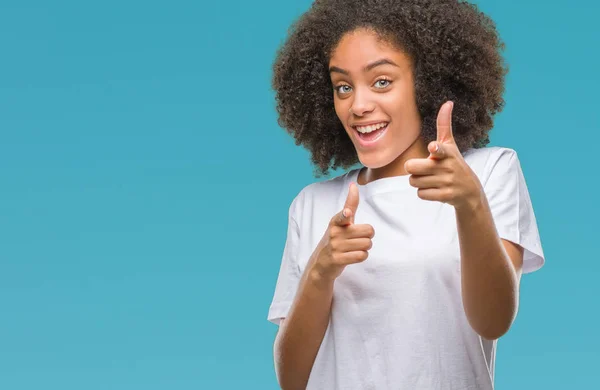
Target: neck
{"x": 418, "y": 149}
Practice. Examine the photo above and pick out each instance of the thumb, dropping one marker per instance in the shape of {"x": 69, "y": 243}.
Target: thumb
{"x": 346, "y": 216}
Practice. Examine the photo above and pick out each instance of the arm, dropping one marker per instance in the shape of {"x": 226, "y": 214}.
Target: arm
{"x": 300, "y": 336}
{"x": 491, "y": 270}
{"x": 301, "y": 333}
{"x": 490, "y": 267}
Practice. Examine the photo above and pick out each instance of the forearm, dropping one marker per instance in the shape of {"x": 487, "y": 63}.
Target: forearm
{"x": 299, "y": 339}
{"x": 489, "y": 280}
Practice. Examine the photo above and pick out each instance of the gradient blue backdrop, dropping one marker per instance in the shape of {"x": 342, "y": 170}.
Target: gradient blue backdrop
{"x": 144, "y": 188}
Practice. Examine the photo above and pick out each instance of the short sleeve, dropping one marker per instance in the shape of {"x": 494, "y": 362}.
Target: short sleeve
{"x": 511, "y": 207}
{"x": 289, "y": 272}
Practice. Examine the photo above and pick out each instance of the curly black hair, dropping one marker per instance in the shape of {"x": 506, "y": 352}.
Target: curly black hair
{"x": 456, "y": 55}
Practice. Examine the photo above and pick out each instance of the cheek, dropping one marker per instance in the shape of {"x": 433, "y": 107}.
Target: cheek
{"x": 395, "y": 106}
{"x": 403, "y": 109}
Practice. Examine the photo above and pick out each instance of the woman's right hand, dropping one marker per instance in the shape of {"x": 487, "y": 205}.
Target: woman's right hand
{"x": 344, "y": 242}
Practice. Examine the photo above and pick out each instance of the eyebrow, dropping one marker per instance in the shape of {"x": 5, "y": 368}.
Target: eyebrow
{"x": 383, "y": 61}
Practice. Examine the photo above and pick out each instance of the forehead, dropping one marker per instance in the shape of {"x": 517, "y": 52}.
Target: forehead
{"x": 362, "y": 46}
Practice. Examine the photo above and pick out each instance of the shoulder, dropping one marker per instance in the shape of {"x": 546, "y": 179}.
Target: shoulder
{"x": 321, "y": 193}
{"x": 486, "y": 161}
{"x": 488, "y": 155}
{"x": 328, "y": 187}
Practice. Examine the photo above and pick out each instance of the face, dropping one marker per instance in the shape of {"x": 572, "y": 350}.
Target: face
{"x": 375, "y": 99}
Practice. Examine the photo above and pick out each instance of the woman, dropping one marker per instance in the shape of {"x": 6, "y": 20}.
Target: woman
{"x": 404, "y": 272}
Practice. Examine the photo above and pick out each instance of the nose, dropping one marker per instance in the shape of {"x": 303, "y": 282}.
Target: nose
{"x": 362, "y": 103}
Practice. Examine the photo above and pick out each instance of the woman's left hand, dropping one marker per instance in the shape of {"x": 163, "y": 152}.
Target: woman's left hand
{"x": 445, "y": 176}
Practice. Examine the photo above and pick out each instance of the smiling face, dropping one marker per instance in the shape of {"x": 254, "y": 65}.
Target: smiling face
{"x": 374, "y": 99}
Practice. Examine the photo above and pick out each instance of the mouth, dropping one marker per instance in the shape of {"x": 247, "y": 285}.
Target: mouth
{"x": 369, "y": 135}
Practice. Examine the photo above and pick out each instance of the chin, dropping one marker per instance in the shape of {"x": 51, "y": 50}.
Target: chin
{"x": 375, "y": 160}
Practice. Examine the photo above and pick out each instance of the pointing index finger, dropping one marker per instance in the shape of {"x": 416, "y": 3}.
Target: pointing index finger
{"x": 444, "y": 122}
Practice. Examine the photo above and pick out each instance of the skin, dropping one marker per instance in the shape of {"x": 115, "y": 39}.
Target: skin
{"x": 490, "y": 267}
{"x": 383, "y": 92}
{"x": 301, "y": 333}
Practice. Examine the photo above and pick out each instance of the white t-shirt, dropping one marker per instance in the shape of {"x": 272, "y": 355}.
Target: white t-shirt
{"x": 397, "y": 319}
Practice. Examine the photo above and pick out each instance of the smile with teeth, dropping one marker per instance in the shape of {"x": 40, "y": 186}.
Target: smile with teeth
{"x": 370, "y": 128}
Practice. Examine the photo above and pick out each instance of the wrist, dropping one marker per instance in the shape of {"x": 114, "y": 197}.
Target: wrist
{"x": 471, "y": 204}
{"x": 319, "y": 278}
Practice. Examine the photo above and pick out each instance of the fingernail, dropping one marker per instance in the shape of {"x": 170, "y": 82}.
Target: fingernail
{"x": 344, "y": 213}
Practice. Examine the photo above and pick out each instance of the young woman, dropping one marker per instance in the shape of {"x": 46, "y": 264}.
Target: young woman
{"x": 404, "y": 272}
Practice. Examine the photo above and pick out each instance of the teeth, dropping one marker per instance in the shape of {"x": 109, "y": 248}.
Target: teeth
{"x": 370, "y": 128}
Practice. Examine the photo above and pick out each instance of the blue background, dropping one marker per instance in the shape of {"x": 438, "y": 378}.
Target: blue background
{"x": 144, "y": 187}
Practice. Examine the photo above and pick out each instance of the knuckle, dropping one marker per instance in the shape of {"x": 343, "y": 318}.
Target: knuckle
{"x": 334, "y": 245}
{"x": 335, "y": 220}
{"x": 366, "y": 231}
{"x": 335, "y": 258}
{"x": 334, "y": 232}
{"x": 371, "y": 231}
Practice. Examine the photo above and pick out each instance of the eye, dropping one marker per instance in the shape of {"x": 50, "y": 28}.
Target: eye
{"x": 342, "y": 89}
{"x": 382, "y": 83}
